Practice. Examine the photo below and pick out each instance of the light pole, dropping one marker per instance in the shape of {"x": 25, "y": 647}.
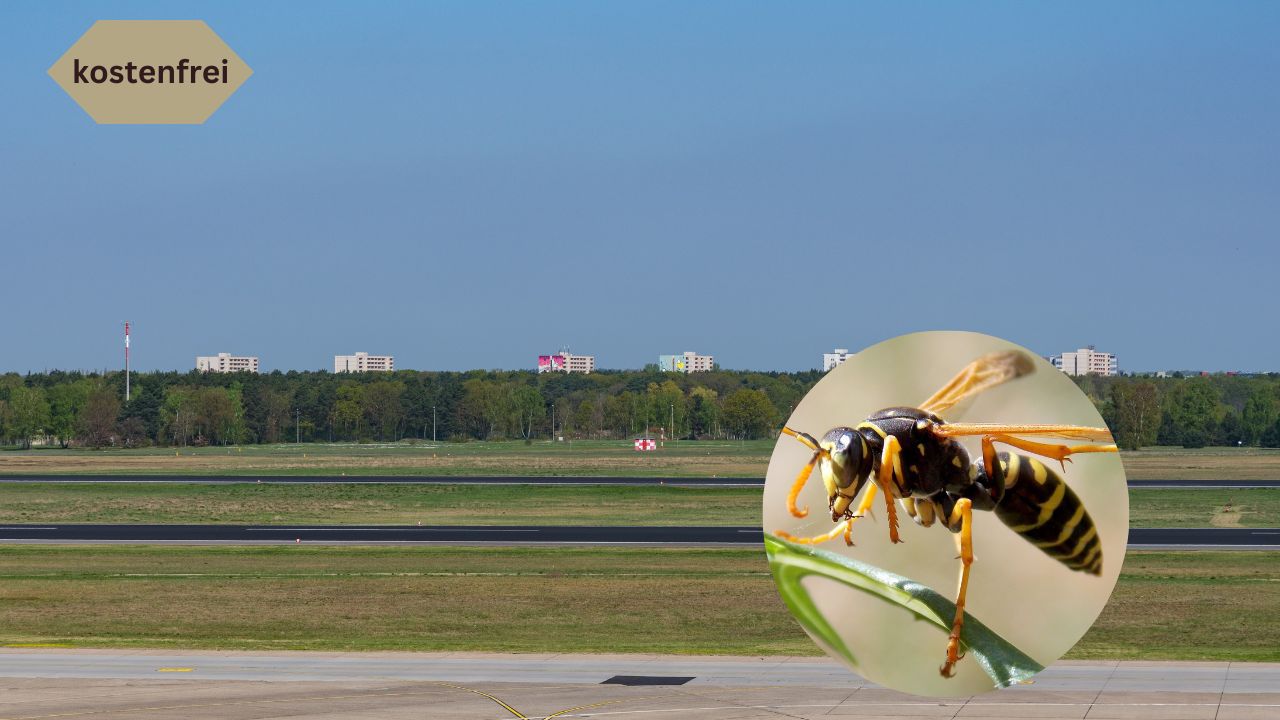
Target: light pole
{"x": 433, "y": 423}
{"x": 674, "y": 434}
{"x": 553, "y": 422}
{"x": 297, "y": 426}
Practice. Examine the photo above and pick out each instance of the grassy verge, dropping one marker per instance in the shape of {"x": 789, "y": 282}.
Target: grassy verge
{"x": 1177, "y": 606}
{"x": 1191, "y": 606}
{"x": 597, "y": 457}
{"x": 594, "y": 457}
{"x": 252, "y": 503}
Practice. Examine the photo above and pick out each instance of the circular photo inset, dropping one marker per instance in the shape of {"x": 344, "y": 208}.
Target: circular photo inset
{"x": 946, "y": 513}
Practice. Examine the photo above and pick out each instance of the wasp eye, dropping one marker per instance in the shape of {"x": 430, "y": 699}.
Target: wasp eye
{"x": 844, "y": 441}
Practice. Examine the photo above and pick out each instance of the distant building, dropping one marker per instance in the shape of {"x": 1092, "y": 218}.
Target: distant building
{"x": 227, "y": 363}
{"x": 565, "y": 361}
{"x": 834, "y": 358}
{"x": 363, "y": 362}
{"x": 1086, "y": 361}
{"x": 689, "y": 362}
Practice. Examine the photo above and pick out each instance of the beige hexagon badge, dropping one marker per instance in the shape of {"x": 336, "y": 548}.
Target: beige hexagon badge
{"x": 150, "y": 72}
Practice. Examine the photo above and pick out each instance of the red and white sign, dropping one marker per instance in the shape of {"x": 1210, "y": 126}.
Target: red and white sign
{"x": 643, "y": 444}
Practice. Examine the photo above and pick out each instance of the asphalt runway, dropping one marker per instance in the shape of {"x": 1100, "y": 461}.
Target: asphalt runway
{"x": 517, "y": 480}
{"x": 1257, "y": 538}
{"x": 118, "y": 684}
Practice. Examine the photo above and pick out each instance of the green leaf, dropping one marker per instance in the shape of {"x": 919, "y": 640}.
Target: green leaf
{"x": 791, "y": 563}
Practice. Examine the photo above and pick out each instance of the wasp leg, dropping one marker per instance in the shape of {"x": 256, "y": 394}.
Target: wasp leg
{"x": 1061, "y": 453}
{"x": 961, "y": 515}
{"x": 798, "y": 485}
{"x": 844, "y": 526}
{"x": 890, "y": 463}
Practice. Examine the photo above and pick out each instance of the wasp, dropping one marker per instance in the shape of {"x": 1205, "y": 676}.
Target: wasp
{"x": 912, "y": 455}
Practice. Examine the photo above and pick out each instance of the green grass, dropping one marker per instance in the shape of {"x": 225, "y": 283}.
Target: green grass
{"x": 384, "y": 504}
{"x": 594, "y": 457}
{"x": 540, "y": 458}
{"x": 1179, "y": 507}
{"x": 1175, "y": 606}
{"x": 1191, "y": 606}
{"x": 391, "y": 504}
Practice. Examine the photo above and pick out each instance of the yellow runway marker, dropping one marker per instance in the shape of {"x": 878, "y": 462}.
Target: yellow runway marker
{"x": 594, "y": 705}
{"x": 505, "y": 706}
{"x": 175, "y": 669}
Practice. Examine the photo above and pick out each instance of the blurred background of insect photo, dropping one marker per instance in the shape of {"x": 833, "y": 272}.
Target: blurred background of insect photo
{"x": 1028, "y": 598}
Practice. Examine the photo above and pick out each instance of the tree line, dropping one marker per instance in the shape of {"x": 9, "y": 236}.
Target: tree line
{"x": 193, "y": 408}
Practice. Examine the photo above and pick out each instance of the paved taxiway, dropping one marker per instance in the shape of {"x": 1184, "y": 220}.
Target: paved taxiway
{"x": 113, "y": 684}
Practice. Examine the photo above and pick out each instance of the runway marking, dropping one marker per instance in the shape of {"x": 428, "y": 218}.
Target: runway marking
{"x": 509, "y": 709}
{"x": 233, "y": 703}
{"x": 175, "y": 669}
{"x": 562, "y": 713}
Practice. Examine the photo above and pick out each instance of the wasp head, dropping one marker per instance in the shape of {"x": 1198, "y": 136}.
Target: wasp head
{"x": 841, "y": 456}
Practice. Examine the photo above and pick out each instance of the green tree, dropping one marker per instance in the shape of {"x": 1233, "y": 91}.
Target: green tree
{"x": 97, "y": 423}
{"x": 1192, "y": 410}
{"x": 526, "y": 408}
{"x": 667, "y": 404}
{"x": 66, "y": 402}
{"x": 704, "y": 412}
{"x": 1137, "y": 414}
{"x": 348, "y": 409}
{"x": 29, "y": 410}
{"x": 383, "y": 405}
{"x": 1261, "y": 411}
{"x": 749, "y": 414}
{"x": 178, "y": 414}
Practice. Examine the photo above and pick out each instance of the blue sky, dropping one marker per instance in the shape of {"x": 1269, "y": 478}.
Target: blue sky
{"x": 471, "y": 184}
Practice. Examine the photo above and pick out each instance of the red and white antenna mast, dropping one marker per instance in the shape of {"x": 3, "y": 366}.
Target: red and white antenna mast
{"x": 126, "y": 361}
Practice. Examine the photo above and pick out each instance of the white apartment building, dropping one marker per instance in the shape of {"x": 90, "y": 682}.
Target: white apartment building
{"x": 363, "y": 362}
{"x": 565, "y": 361}
{"x": 1087, "y": 361}
{"x": 689, "y": 362}
{"x": 834, "y": 358}
{"x": 227, "y": 363}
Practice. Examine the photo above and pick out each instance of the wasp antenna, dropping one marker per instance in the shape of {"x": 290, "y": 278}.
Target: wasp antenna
{"x": 805, "y": 438}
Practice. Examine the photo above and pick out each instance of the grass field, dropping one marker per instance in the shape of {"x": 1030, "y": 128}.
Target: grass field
{"x": 1179, "y": 606}
{"x": 685, "y": 459}
{"x": 252, "y": 503}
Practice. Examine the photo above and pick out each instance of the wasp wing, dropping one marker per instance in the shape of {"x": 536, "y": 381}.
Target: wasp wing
{"x": 978, "y": 376}
{"x": 1070, "y": 432}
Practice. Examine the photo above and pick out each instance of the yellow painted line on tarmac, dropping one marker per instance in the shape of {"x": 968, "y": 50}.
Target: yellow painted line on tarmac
{"x": 505, "y": 706}
{"x": 230, "y": 703}
{"x": 595, "y": 705}
{"x": 175, "y": 669}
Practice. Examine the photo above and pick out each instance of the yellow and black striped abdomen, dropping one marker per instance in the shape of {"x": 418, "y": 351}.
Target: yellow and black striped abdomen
{"x": 1039, "y": 506}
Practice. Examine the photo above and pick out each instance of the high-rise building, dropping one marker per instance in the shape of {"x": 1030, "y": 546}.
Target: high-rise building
{"x": 1086, "y": 361}
{"x": 689, "y": 362}
{"x": 363, "y": 362}
{"x": 565, "y": 361}
{"x": 834, "y": 358}
{"x": 227, "y": 363}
